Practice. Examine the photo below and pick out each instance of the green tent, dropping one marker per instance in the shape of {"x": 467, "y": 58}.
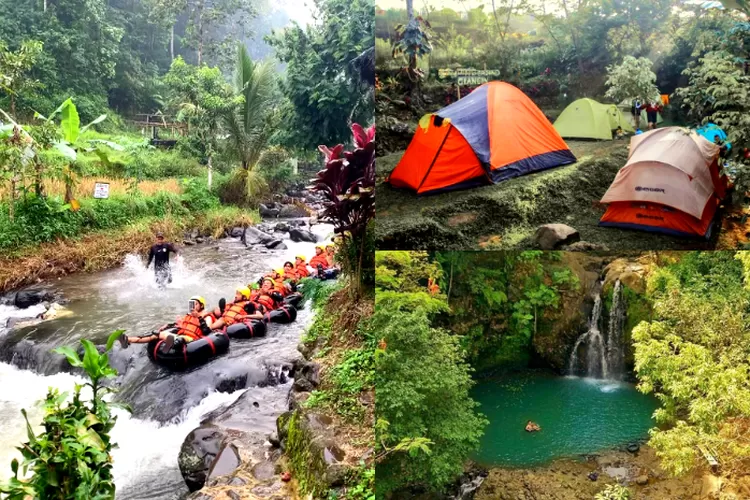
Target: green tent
{"x": 588, "y": 119}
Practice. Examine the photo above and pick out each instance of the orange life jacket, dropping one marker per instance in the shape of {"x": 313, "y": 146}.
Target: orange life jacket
{"x": 190, "y": 326}
{"x": 279, "y": 286}
{"x": 302, "y": 271}
{"x": 321, "y": 259}
{"x": 266, "y": 301}
{"x": 235, "y": 309}
{"x": 290, "y": 275}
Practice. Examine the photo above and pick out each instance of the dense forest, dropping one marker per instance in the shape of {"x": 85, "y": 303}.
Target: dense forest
{"x": 234, "y": 88}
{"x": 560, "y": 51}
{"x": 449, "y": 320}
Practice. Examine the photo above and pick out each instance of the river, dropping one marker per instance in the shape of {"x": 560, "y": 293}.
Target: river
{"x": 577, "y": 415}
{"x": 166, "y": 406}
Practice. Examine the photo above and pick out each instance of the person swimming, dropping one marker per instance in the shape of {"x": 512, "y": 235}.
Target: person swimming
{"x": 532, "y": 427}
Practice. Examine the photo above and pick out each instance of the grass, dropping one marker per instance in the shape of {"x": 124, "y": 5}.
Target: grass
{"x": 105, "y": 249}
{"x": 506, "y": 215}
{"x": 117, "y": 186}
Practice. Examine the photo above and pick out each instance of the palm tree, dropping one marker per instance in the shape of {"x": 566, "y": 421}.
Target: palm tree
{"x": 251, "y": 124}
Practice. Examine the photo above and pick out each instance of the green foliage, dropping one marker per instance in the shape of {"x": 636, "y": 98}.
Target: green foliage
{"x": 498, "y": 301}
{"x": 321, "y": 86}
{"x": 196, "y": 196}
{"x": 401, "y": 280}
{"x": 15, "y": 69}
{"x": 694, "y": 357}
{"x": 718, "y": 93}
{"x": 71, "y": 458}
{"x": 363, "y": 485}
{"x": 632, "y": 79}
{"x": 613, "y": 492}
{"x": 423, "y": 392}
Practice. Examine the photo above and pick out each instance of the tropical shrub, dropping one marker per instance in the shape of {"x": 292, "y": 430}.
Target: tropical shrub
{"x": 71, "y": 459}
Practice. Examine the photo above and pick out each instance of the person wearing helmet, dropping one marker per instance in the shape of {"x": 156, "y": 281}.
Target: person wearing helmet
{"x": 319, "y": 262}
{"x": 190, "y": 327}
{"x": 268, "y": 297}
{"x": 159, "y": 253}
{"x": 300, "y": 267}
{"x": 239, "y": 310}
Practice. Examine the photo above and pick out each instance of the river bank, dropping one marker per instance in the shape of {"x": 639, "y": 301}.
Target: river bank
{"x": 102, "y": 250}
{"x": 581, "y": 479}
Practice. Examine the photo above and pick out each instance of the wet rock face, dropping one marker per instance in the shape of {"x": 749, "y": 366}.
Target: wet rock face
{"x": 298, "y": 235}
{"x": 307, "y": 378}
{"x": 254, "y": 236}
{"x": 551, "y": 236}
{"x": 27, "y": 298}
{"x": 198, "y": 452}
{"x": 292, "y": 211}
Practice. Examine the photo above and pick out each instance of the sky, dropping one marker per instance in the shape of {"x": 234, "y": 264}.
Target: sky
{"x": 299, "y": 10}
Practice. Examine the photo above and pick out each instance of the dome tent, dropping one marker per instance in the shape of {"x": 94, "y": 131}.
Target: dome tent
{"x": 493, "y": 134}
{"x": 670, "y": 184}
{"x": 588, "y": 119}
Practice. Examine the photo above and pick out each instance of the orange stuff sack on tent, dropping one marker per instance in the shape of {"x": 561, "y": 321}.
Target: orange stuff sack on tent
{"x": 493, "y": 134}
{"x": 670, "y": 184}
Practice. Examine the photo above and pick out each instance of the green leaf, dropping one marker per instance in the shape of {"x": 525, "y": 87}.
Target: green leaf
{"x": 91, "y": 359}
{"x": 90, "y": 437}
{"x": 99, "y": 119}
{"x": 14, "y": 467}
{"x": 69, "y": 353}
{"x": 112, "y": 338}
{"x": 70, "y": 122}
{"x": 66, "y": 150}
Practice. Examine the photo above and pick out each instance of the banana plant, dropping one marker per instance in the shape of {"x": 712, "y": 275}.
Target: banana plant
{"x": 71, "y": 143}
{"x": 17, "y": 152}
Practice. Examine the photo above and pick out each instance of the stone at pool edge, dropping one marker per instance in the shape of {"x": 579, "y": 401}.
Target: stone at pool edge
{"x": 198, "y": 451}
{"x": 551, "y": 236}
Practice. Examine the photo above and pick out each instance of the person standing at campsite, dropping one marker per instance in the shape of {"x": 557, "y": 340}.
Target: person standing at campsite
{"x": 159, "y": 253}
{"x": 635, "y": 110}
{"x": 652, "y": 110}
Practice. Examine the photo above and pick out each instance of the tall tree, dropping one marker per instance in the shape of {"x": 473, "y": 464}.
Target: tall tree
{"x": 321, "y": 84}
{"x": 15, "y": 70}
{"x": 251, "y": 124}
{"x": 209, "y": 30}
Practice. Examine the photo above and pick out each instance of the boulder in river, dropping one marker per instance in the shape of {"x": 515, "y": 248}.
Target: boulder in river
{"x": 276, "y": 245}
{"x": 236, "y": 232}
{"x": 282, "y": 227}
{"x": 255, "y": 236}
{"x": 551, "y": 236}
{"x": 198, "y": 452}
{"x": 292, "y": 211}
{"x": 298, "y": 235}
{"x": 28, "y": 298}
{"x": 266, "y": 211}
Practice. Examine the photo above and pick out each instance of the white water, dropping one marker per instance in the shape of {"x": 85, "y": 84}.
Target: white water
{"x": 604, "y": 359}
{"x": 147, "y": 448}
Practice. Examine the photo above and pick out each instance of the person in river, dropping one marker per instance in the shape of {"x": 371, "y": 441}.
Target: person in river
{"x": 532, "y": 427}
{"x": 331, "y": 255}
{"x": 190, "y": 327}
{"x": 319, "y": 262}
{"x": 159, "y": 253}
{"x": 267, "y": 296}
{"x": 289, "y": 272}
{"x": 239, "y": 310}
{"x": 300, "y": 267}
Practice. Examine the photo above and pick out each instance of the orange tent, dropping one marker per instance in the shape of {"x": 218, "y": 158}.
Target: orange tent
{"x": 493, "y": 134}
{"x": 670, "y": 184}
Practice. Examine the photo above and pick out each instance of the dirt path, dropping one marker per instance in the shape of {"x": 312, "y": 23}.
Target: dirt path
{"x": 506, "y": 215}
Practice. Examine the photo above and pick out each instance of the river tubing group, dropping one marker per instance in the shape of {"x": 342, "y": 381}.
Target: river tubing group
{"x": 204, "y": 333}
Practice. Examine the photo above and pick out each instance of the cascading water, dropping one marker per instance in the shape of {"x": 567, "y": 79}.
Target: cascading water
{"x": 167, "y": 406}
{"x": 604, "y": 359}
{"x": 596, "y": 359}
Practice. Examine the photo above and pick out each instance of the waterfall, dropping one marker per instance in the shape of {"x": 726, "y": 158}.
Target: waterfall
{"x": 615, "y": 355}
{"x": 603, "y": 359}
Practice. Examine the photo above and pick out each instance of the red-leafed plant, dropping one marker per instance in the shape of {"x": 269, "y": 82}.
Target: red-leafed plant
{"x": 348, "y": 184}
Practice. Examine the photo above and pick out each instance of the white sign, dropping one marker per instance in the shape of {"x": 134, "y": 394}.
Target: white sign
{"x": 101, "y": 190}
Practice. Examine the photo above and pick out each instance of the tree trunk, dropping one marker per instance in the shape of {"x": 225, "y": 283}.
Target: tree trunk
{"x": 210, "y": 172}
{"x": 171, "y": 42}
{"x": 45, "y": 5}
{"x": 12, "y": 204}
{"x": 38, "y": 180}
{"x": 68, "y": 184}
{"x": 13, "y": 105}
{"x": 409, "y": 10}
{"x": 200, "y": 34}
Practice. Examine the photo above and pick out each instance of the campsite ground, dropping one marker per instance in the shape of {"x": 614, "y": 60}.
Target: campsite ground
{"x": 507, "y": 215}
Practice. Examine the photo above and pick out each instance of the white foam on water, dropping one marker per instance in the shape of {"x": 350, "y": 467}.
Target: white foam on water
{"x": 145, "y": 447}
{"x": 7, "y": 312}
